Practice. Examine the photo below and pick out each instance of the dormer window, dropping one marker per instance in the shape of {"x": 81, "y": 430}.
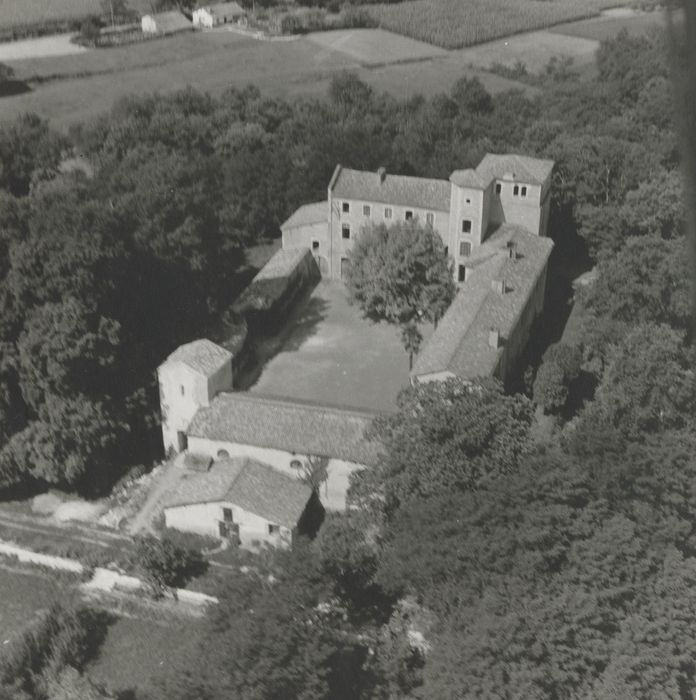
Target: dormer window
{"x": 346, "y": 207}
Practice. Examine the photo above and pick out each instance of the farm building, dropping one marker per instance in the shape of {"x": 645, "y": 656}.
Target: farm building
{"x": 165, "y": 23}
{"x": 487, "y": 326}
{"x": 215, "y": 15}
{"x": 244, "y": 500}
{"x": 276, "y": 286}
{"x": 464, "y": 210}
{"x": 188, "y": 379}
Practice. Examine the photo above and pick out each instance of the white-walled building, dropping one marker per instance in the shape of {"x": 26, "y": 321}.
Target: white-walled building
{"x": 243, "y": 500}
{"x": 165, "y": 23}
{"x": 464, "y": 210}
{"x": 215, "y": 15}
{"x": 189, "y": 379}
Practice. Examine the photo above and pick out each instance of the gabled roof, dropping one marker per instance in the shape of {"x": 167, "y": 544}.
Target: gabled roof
{"x": 460, "y": 343}
{"x": 202, "y": 356}
{"x": 281, "y": 264}
{"x": 226, "y": 9}
{"x": 308, "y": 214}
{"x": 251, "y": 485}
{"x": 533, "y": 171}
{"x": 289, "y": 425}
{"x": 469, "y": 178}
{"x": 403, "y": 190}
{"x": 171, "y": 21}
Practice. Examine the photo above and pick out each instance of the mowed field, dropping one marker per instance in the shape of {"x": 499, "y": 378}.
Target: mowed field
{"x": 67, "y": 89}
{"x": 454, "y": 24}
{"x": 14, "y": 13}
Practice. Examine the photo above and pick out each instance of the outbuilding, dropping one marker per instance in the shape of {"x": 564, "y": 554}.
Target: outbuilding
{"x": 215, "y": 15}
{"x": 165, "y": 23}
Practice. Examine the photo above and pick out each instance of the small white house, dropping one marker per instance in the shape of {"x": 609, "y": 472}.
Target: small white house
{"x": 165, "y": 23}
{"x": 215, "y": 15}
{"x": 242, "y": 500}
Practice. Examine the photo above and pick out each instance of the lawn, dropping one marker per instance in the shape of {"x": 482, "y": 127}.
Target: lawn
{"x": 329, "y": 353}
{"x": 138, "y": 651}
{"x": 24, "y": 593}
{"x": 457, "y": 23}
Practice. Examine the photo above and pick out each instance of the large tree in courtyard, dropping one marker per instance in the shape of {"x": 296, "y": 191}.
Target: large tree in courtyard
{"x": 401, "y": 274}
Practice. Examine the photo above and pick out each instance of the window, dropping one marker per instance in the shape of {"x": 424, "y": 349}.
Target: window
{"x": 366, "y": 210}
{"x": 524, "y": 191}
{"x": 273, "y": 529}
{"x": 516, "y": 190}
{"x": 296, "y": 464}
{"x": 346, "y": 207}
{"x": 462, "y": 273}
{"x": 388, "y": 212}
{"x": 465, "y": 249}
{"x": 315, "y": 245}
{"x": 466, "y": 226}
{"x": 409, "y": 215}
{"x": 498, "y": 188}
{"x": 430, "y": 218}
{"x": 183, "y": 391}
{"x": 227, "y": 515}
{"x": 468, "y": 201}
{"x": 345, "y": 231}
{"x": 446, "y": 250}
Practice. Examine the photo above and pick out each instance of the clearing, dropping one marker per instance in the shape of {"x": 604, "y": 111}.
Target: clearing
{"x": 328, "y": 353}
{"x": 46, "y": 46}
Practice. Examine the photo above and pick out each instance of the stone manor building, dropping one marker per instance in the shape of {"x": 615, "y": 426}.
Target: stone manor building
{"x": 465, "y": 210}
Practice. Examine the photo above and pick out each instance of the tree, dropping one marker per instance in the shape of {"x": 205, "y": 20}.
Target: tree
{"x": 165, "y": 564}
{"x": 446, "y": 436}
{"x": 116, "y": 9}
{"x": 559, "y": 369}
{"x": 401, "y": 275}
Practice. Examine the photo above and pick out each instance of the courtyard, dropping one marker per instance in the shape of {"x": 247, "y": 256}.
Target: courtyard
{"x": 327, "y": 352}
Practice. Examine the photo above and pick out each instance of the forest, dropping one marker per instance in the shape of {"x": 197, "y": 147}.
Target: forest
{"x": 484, "y": 557}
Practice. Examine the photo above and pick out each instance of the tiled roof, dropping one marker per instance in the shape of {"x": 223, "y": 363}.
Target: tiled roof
{"x": 403, "y": 190}
{"x": 293, "y": 426}
{"x": 282, "y": 263}
{"x": 524, "y": 169}
{"x": 307, "y": 215}
{"x": 460, "y": 343}
{"x": 170, "y": 21}
{"x": 469, "y": 178}
{"x": 226, "y": 9}
{"x": 202, "y": 355}
{"x": 251, "y": 485}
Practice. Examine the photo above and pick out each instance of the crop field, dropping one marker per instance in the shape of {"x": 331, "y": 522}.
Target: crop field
{"x": 454, "y": 24}
{"x": 15, "y": 13}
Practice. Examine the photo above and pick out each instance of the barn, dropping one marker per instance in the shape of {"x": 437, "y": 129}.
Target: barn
{"x": 165, "y": 23}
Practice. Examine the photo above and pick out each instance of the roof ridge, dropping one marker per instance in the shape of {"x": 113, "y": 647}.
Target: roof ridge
{"x": 304, "y": 403}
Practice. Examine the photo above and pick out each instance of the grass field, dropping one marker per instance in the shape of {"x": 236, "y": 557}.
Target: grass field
{"x": 66, "y": 89}
{"x": 454, "y": 24}
{"x": 14, "y": 13}
{"x": 23, "y": 594}
{"x": 136, "y": 651}
{"x": 609, "y": 27}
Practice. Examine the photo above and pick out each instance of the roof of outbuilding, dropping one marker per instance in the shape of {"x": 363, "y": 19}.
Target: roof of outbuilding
{"x": 170, "y": 21}
{"x": 307, "y": 214}
{"x": 282, "y": 263}
{"x": 470, "y": 178}
{"x": 251, "y": 485}
{"x": 226, "y": 9}
{"x": 534, "y": 171}
{"x": 460, "y": 343}
{"x": 290, "y": 425}
{"x": 201, "y": 355}
{"x": 403, "y": 190}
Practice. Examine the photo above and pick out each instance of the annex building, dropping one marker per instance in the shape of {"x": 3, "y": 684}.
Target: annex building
{"x": 254, "y": 448}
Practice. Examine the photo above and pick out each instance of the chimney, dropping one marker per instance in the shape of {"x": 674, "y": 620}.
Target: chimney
{"x": 382, "y": 174}
{"x": 494, "y": 338}
{"x": 499, "y": 286}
